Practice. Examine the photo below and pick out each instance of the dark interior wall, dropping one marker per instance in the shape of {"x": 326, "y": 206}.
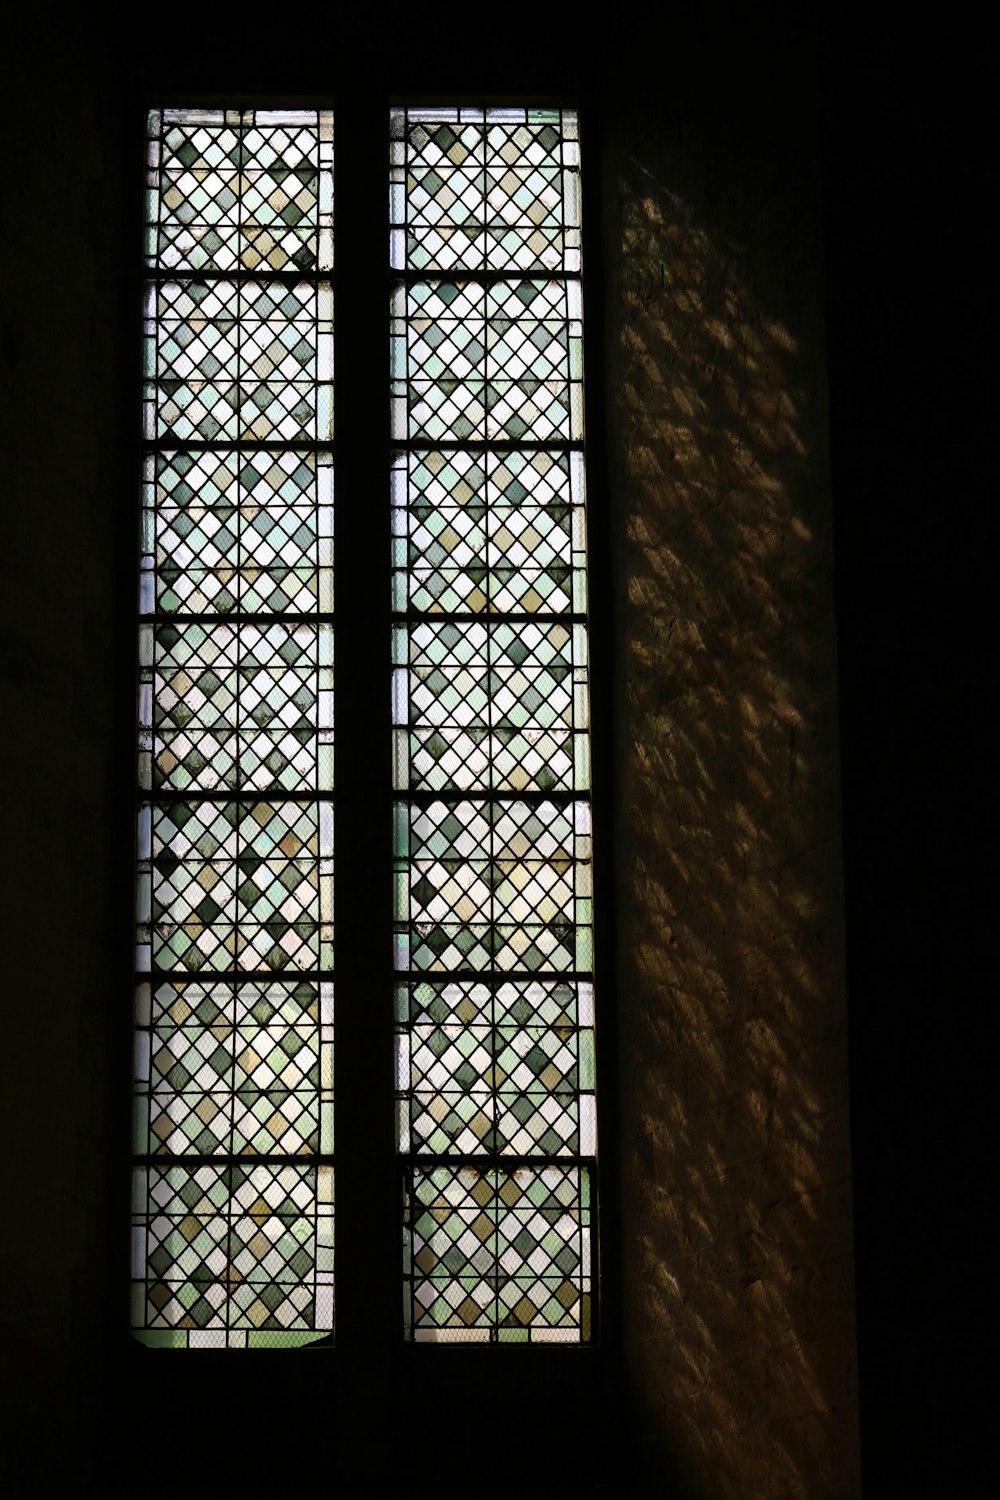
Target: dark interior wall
{"x": 64, "y": 562}
{"x": 731, "y": 1369}
{"x": 909, "y": 167}
{"x": 736, "y": 1140}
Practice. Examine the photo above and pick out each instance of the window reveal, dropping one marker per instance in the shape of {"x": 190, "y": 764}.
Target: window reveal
{"x": 233, "y": 1182}
{"x": 494, "y": 996}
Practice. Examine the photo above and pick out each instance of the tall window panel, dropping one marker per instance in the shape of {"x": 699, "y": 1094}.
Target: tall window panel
{"x": 494, "y": 960}
{"x": 233, "y": 1176}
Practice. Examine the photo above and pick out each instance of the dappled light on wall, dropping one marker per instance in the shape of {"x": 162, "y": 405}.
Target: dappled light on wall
{"x": 739, "y": 1295}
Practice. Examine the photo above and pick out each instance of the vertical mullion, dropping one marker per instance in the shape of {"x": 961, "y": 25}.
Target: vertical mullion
{"x": 368, "y": 1217}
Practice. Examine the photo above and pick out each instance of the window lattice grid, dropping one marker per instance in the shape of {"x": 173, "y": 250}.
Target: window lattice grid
{"x": 495, "y": 1065}
{"x": 491, "y": 190}
{"x": 493, "y": 886}
{"x": 494, "y": 919}
{"x": 245, "y": 532}
{"x": 232, "y": 1240}
{"x": 234, "y": 1069}
{"x": 233, "y": 704}
{"x": 240, "y": 189}
{"x": 235, "y": 886}
{"x": 480, "y": 531}
{"x": 499, "y": 1255}
{"x": 491, "y": 705}
{"x": 232, "y": 1255}
{"x": 498, "y": 362}
{"x": 239, "y": 361}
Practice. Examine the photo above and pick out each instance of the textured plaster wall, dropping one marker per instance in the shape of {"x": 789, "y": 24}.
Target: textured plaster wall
{"x": 738, "y": 1279}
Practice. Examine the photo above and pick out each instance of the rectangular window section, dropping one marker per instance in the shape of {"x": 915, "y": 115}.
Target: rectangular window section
{"x": 233, "y": 1177}
{"x": 494, "y": 950}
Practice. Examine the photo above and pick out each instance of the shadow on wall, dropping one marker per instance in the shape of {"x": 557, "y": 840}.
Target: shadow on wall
{"x": 738, "y": 1275}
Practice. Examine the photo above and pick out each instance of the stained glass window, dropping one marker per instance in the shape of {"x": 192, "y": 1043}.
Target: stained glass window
{"x": 233, "y": 1176}
{"x": 494, "y": 994}
{"x": 494, "y": 953}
